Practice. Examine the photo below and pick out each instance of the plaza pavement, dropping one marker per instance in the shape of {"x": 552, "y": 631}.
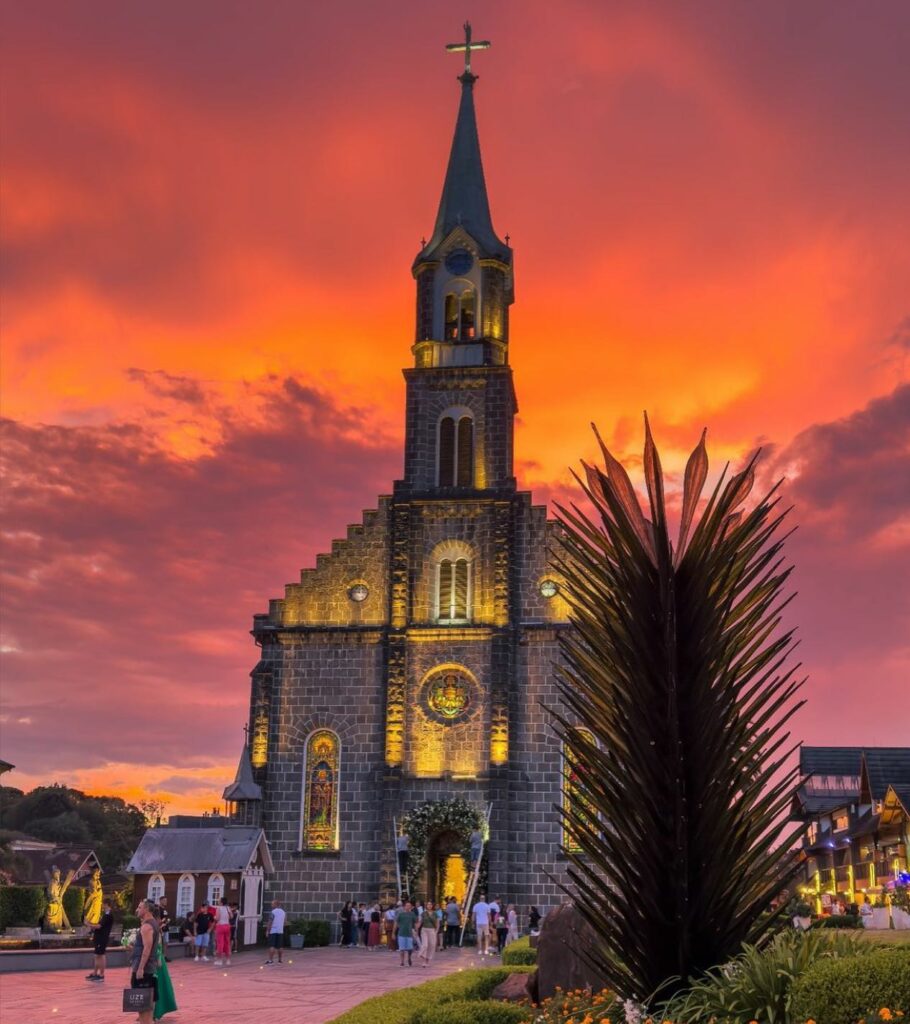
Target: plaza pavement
{"x": 314, "y": 986}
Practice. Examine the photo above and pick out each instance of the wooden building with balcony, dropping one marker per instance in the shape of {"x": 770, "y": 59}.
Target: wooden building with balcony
{"x": 856, "y": 805}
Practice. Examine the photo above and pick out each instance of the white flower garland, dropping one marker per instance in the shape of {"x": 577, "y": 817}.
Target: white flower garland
{"x": 456, "y": 814}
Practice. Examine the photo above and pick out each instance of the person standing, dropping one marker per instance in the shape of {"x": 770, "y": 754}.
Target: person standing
{"x": 188, "y": 934}
{"x": 235, "y": 918}
{"x": 502, "y": 925}
{"x": 363, "y": 923}
{"x": 374, "y": 935}
{"x": 389, "y": 925}
{"x": 405, "y": 921}
{"x": 164, "y": 924}
{"x": 428, "y": 926}
{"x": 481, "y": 913}
{"x": 345, "y": 915}
{"x": 453, "y": 919}
{"x": 476, "y": 846}
{"x": 144, "y": 959}
{"x": 223, "y": 934}
{"x": 512, "y": 922}
{"x": 201, "y": 925}
{"x": 276, "y": 932}
{"x": 101, "y": 933}
{"x": 440, "y": 927}
{"x": 534, "y": 920}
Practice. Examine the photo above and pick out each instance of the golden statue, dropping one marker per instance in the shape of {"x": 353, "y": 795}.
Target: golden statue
{"x": 54, "y": 916}
{"x": 92, "y": 911}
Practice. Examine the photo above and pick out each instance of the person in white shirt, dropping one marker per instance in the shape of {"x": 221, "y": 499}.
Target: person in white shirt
{"x": 223, "y": 933}
{"x": 481, "y": 914}
{"x": 512, "y": 919}
{"x": 276, "y": 932}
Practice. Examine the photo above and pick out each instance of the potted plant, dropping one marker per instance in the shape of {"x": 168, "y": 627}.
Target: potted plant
{"x": 802, "y": 915}
{"x": 297, "y": 930}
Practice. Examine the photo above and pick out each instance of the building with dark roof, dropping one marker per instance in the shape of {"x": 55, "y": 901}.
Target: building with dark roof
{"x": 200, "y": 864}
{"x": 856, "y": 805}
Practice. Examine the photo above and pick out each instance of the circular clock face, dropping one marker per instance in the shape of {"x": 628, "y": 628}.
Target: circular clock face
{"x": 459, "y": 261}
{"x": 359, "y": 592}
{"x": 548, "y": 588}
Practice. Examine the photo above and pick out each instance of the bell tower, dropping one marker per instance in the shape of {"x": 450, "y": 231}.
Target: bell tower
{"x": 460, "y": 398}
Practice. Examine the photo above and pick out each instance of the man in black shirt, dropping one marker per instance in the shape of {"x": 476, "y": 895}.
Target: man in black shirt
{"x": 101, "y": 933}
{"x": 201, "y": 926}
{"x": 164, "y": 922}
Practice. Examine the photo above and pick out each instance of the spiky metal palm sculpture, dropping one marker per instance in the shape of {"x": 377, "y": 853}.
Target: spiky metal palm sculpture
{"x": 677, "y": 697}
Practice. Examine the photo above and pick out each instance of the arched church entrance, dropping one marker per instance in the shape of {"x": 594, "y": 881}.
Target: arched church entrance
{"x": 447, "y": 873}
{"x": 438, "y": 834}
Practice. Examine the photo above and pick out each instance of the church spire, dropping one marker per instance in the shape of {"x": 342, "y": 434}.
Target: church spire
{"x": 464, "y": 201}
{"x": 464, "y": 272}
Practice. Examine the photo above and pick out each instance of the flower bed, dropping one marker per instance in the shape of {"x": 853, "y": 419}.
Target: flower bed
{"x": 519, "y": 952}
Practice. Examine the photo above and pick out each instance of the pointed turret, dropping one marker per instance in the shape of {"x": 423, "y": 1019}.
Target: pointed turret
{"x": 464, "y": 272}
{"x": 244, "y": 794}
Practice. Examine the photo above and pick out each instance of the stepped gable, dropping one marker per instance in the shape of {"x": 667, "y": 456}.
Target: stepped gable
{"x": 321, "y": 598}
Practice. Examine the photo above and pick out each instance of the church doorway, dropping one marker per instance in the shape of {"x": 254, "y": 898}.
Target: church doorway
{"x": 446, "y": 872}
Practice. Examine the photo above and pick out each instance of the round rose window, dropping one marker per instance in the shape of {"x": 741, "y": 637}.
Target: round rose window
{"x": 449, "y": 695}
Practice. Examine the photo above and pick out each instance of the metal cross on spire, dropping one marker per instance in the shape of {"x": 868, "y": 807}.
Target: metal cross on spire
{"x": 467, "y": 46}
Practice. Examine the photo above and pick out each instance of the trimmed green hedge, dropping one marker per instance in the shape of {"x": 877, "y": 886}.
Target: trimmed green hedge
{"x": 846, "y": 990}
{"x": 22, "y": 906}
{"x": 401, "y": 1006}
{"x": 463, "y": 1011}
{"x": 519, "y": 952}
{"x": 73, "y": 905}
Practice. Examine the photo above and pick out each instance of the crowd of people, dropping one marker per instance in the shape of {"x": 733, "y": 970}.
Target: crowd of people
{"x": 425, "y": 927}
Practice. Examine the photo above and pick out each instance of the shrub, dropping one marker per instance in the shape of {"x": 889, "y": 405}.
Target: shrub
{"x": 129, "y": 921}
{"x": 757, "y": 984}
{"x": 519, "y": 952}
{"x": 400, "y": 1006}
{"x": 318, "y": 933}
{"x": 845, "y": 991}
{"x": 463, "y": 1011}
{"x": 73, "y": 904}
{"x": 839, "y": 921}
{"x": 22, "y": 906}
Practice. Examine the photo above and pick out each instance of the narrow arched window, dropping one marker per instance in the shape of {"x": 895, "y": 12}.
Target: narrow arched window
{"x": 454, "y": 590}
{"x": 456, "y": 452}
{"x": 186, "y": 894}
{"x": 156, "y": 888}
{"x": 574, "y": 804}
{"x": 460, "y": 315}
{"x": 319, "y": 820}
{"x": 216, "y": 889}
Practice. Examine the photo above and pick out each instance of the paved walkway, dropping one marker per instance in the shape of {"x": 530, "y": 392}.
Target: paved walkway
{"x": 314, "y": 986}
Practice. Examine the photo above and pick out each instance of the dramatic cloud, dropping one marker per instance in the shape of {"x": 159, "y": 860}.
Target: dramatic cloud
{"x": 131, "y": 575}
{"x": 209, "y": 216}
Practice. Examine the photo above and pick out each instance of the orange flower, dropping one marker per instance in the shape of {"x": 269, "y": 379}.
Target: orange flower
{"x": 884, "y": 1013}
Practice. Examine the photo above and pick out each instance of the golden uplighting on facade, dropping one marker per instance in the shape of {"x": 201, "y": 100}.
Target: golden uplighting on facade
{"x": 259, "y": 750}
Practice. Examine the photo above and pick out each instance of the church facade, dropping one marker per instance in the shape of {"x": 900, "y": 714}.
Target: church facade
{"x": 412, "y": 665}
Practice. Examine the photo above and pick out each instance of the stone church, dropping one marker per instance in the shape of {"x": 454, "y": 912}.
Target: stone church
{"x": 410, "y": 667}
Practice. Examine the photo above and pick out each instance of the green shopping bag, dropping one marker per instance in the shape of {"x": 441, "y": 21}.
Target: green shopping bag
{"x": 167, "y": 1001}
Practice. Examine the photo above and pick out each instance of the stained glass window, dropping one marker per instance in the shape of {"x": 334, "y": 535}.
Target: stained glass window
{"x": 320, "y": 801}
{"x": 570, "y": 785}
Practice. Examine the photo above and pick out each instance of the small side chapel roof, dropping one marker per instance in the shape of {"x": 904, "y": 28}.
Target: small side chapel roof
{"x": 173, "y": 850}
{"x": 244, "y": 787}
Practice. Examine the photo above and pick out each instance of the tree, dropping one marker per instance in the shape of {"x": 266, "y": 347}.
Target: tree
{"x": 63, "y": 815}
{"x": 675, "y": 666}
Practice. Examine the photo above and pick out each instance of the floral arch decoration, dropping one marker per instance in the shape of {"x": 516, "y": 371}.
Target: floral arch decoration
{"x": 456, "y": 815}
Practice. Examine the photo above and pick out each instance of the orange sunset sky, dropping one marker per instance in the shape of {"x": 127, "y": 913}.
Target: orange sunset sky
{"x": 209, "y": 215}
